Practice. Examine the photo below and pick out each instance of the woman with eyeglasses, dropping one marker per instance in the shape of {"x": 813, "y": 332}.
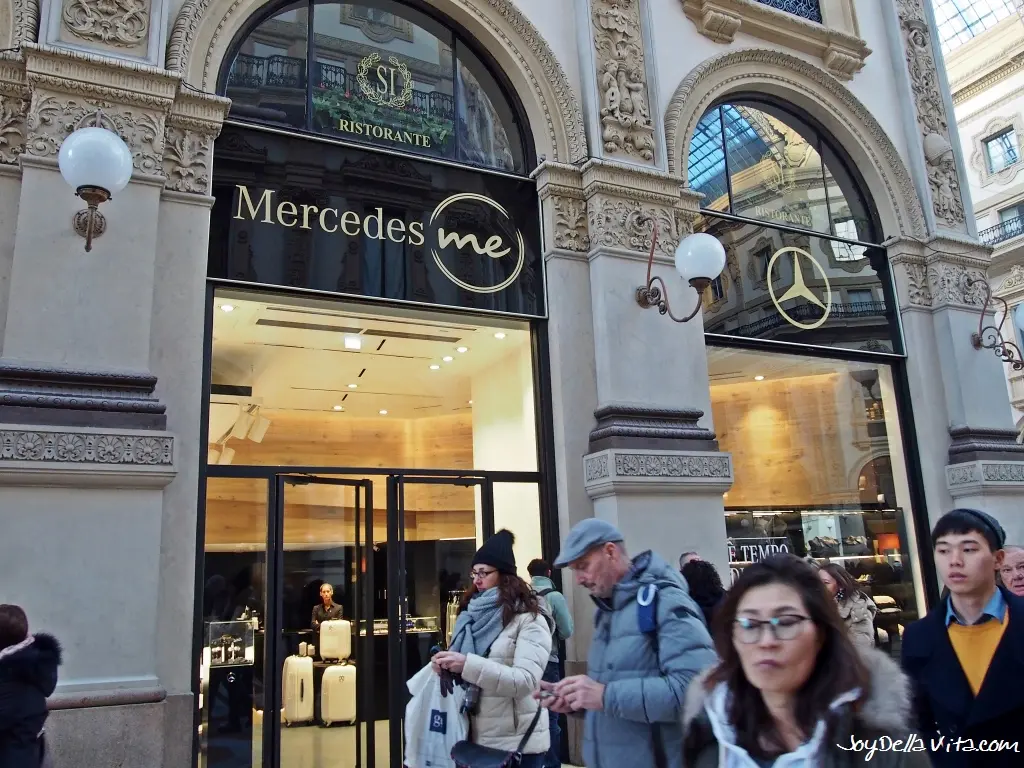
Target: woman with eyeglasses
{"x": 791, "y": 690}
{"x": 500, "y": 648}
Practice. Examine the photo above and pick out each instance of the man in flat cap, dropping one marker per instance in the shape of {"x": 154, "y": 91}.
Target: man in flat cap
{"x": 649, "y": 642}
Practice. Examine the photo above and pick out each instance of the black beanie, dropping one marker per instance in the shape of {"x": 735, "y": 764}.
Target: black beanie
{"x": 497, "y": 552}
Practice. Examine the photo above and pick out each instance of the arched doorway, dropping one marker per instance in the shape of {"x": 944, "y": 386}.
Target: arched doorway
{"x": 805, "y": 349}
{"x": 375, "y": 299}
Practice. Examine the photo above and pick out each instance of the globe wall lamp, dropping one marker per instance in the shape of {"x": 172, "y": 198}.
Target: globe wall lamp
{"x": 699, "y": 259}
{"x": 991, "y": 336}
{"x": 96, "y": 163}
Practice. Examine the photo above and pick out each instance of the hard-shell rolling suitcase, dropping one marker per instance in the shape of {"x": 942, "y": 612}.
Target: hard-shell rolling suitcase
{"x": 335, "y": 640}
{"x": 338, "y": 694}
{"x": 298, "y": 690}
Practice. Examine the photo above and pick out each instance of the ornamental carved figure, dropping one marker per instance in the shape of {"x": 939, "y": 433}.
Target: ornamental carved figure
{"x": 121, "y": 23}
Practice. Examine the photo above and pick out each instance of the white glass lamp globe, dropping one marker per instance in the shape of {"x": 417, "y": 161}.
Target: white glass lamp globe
{"x": 700, "y": 258}
{"x": 95, "y": 157}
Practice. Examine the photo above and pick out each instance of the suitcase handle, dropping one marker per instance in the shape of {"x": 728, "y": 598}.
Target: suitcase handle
{"x": 302, "y": 689}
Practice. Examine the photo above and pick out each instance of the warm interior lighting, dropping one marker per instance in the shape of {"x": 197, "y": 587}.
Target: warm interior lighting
{"x": 759, "y": 378}
{"x": 353, "y": 342}
{"x": 227, "y": 307}
{"x": 462, "y": 349}
{"x": 447, "y": 358}
{"x": 338, "y": 408}
{"x": 353, "y": 386}
{"x": 499, "y": 335}
{"x": 383, "y": 413}
{"x": 435, "y": 367}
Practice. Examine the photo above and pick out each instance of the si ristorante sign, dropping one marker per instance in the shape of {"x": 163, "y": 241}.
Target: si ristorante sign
{"x": 448, "y": 244}
{"x": 385, "y": 133}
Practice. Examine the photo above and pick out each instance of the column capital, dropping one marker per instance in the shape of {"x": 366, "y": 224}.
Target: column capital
{"x": 940, "y": 272}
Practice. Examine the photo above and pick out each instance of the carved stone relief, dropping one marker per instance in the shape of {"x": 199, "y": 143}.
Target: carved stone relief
{"x": 571, "y": 224}
{"x": 1014, "y": 280}
{"x": 627, "y": 224}
{"x": 53, "y": 117}
{"x": 949, "y": 285}
{"x": 120, "y": 23}
{"x": 12, "y": 128}
{"x": 943, "y": 180}
{"x": 626, "y": 125}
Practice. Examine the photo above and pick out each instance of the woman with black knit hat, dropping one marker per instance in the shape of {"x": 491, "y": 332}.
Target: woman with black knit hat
{"x": 500, "y": 645}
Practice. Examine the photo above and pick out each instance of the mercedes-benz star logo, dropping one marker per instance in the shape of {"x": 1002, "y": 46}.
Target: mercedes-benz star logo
{"x": 799, "y": 288}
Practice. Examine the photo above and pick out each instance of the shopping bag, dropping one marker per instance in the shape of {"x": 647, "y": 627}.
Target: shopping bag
{"x": 433, "y": 723}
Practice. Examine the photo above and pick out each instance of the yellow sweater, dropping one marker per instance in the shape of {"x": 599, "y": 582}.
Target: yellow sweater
{"x": 975, "y": 646}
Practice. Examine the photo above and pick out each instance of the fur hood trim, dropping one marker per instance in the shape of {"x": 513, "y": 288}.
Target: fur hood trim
{"x": 886, "y": 709}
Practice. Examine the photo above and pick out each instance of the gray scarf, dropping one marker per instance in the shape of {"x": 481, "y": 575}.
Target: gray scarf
{"x": 479, "y": 625}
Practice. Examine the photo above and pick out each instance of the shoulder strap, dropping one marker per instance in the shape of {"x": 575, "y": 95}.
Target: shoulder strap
{"x": 546, "y": 592}
{"x": 529, "y": 731}
{"x": 647, "y": 619}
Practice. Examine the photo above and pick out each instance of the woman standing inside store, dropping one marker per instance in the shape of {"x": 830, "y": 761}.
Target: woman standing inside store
{"x": 791, "y": 689}
{"x": 500, "y": 646}
{"x": 856, "y": 609}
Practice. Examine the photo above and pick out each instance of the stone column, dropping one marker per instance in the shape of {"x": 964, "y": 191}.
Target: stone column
{"x": 89, "y": 466}
{"x": 965, "y": 432}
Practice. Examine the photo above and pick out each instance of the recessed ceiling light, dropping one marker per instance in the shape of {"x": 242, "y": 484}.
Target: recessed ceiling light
{"x": 383, "y": 413}
{"x": 353, "y": 342}
{"x": 353, "y": 386}
{"x": 759, "y": 378}
{"x": 435, "y": 367}
{"x": 499, "y": 335}
{"x": 338, "y": 408}
{"x": 460, "y": 350}
{"x": 227, "y": 307}
{"x": 447, "y": 358}
{"x": 470, "y": 402}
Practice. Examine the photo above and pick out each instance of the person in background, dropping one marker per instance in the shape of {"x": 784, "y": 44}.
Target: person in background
{"x": 1012, "y": 570}
{"x": 966, "y": 657}
{"x": 687, "y": 557}
{"x": 705, "y": 586}
{"x": 540, "y": 576}
{"x": 856, "y": 609}
{"x": 791, "y": 689}
{"x": 28, "y": 675}
{"x": 501, "y": 646}
{"x": 649, "y": 642}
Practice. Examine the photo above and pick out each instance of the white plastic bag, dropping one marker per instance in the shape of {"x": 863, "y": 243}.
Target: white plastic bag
{"x": 433, "y": 723}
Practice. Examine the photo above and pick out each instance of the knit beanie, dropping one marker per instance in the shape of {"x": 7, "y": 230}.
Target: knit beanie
{"x": 497, "y": 552}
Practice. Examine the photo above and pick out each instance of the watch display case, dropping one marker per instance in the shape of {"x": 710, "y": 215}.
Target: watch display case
{"x": 230, "y": 643}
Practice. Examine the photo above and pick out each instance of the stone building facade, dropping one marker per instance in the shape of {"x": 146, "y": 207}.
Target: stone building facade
{"x": 105, "y": 369}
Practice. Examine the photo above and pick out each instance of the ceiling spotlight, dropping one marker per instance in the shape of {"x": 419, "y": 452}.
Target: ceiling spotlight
{"x": 338, "y": 408}
{"x": 435, "y": 367}
{"x": 759, "y": 378}
{"x": 460, "y": 350}
{"x": 383, "y": 413}
{"x": 227, "y": 307}
{"x": 353, "y": 342}
{"x": 447, "y": 358}
{"x": 470, "y": 402}
{"x": 353, "y": 386}
{"x": 499, "y": 335}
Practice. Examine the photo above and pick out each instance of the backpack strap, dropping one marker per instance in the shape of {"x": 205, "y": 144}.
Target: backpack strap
{"x": 647, "y": 620}
{"x": 546, "y": 592}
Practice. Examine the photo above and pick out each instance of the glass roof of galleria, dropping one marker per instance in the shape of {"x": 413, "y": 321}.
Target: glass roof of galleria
{"x": 960, "y": 20}
{"x": 707, "y": 158}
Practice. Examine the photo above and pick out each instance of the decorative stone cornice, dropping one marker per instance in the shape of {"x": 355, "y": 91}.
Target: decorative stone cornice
{"x": 85, "y": 458}
{"x": 558, "y": 180}
{"x": 560, "y": 188}
{"x": 934, "y": 274}
{"x": 981, "y": 477}
{"x": 627, "y": 426}
{"x": 204, "y": 29}
{"x": 756, "y": 69}
{"x": 842, "y": 52}
{"x": 615, "y": 471}
{"x": 943, "y": 178}
{"x": 647, "y": 185}
{"x": 973, "y": 444}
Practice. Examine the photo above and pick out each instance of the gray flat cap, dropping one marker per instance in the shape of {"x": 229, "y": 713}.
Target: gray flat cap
{"x": 583, "y": 537}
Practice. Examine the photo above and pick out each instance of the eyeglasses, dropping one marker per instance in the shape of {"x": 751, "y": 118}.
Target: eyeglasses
{"x": 474, "y": 575}
{"x": 749, "y": 631}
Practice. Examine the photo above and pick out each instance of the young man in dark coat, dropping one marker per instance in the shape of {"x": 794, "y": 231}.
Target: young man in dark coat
{"x": 966, "y": 657}
{"x": 28, "y": 674}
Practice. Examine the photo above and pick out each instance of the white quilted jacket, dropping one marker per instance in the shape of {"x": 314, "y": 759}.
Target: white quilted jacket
{"x": 507, "y": 679}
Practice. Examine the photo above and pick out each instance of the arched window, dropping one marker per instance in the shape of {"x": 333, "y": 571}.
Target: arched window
{"x": 376, "y": 72}
{"x": 800, "y": 235}
{"x": 758, "y": 161}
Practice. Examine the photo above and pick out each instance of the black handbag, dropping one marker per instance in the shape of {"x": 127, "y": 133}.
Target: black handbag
{"x": 466, "y": 754}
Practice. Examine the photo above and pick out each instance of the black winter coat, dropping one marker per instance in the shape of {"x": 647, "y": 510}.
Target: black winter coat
{"x": 28, "y": 674}
{"x": 950, "y": 717}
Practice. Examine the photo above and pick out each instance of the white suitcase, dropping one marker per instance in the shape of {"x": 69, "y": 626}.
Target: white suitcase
{"x": 338, "y": 695}
{"x": 298, "y": 690}
{"x": 335, "y": 640}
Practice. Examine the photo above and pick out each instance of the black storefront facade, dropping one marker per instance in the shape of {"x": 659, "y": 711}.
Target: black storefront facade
{"x": 376, "y": 371}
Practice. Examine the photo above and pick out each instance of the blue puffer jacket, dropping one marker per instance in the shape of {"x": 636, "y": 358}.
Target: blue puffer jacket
{"x": 644, "y": 689}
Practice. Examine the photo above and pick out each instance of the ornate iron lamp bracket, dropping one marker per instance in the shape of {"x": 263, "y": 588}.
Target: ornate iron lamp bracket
{"x": 991, "y": 336}
{"x": 655, "y": 294}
